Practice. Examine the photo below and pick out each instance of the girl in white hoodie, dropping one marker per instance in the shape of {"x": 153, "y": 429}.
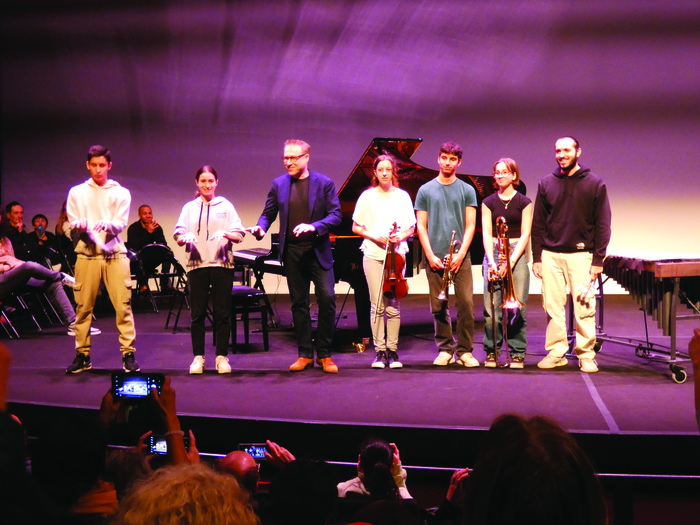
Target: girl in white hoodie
{"x": 208, "y": 226}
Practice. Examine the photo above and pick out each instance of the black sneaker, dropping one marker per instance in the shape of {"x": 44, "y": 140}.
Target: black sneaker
{"x": 80, "y": 363}
{"x": 393, "y": 359}
{"x": 129, "y": 362}
{"x": 380, "y": 360}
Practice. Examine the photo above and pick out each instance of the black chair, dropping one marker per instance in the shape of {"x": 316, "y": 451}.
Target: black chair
{"x": 13, "y": 303}
{"x": 149, "y": 258}
{"x": 246, "y": 300}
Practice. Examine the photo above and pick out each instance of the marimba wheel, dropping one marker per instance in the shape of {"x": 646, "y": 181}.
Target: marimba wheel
{"x": 679, "y": 374}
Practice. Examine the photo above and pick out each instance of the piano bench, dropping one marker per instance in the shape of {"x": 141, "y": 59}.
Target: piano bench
{"x": 246, "y": 300}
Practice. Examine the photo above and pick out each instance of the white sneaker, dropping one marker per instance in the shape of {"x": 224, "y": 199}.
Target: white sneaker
{"x": 197, "y": 366}
{"x": 222, "y": 365}
{"x": 551, "y": 361}
{"x": 68, "y": 280}
{"x": 93, "y": 330}
{"x": 467, "y": 360}
{"x": 444, "y": 359}
{"x": 588, "y": 365}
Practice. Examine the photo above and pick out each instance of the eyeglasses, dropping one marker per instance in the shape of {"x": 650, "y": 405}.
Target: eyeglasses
{"x": 383, "y": 171}
{"x": 293, "y": 159}
{"x": 502, "y": 173}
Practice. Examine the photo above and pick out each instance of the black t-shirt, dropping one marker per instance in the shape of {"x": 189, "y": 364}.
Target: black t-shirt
{"x": 299, "y": 212}
{"x": 511, "y": 211}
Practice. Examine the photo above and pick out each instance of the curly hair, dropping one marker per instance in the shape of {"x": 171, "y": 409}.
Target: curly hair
{"x": 188, "y": 493}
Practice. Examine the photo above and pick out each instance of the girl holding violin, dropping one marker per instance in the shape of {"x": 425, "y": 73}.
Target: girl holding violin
{"x": 384, "y": 217}
{"x": 516, "y": 209}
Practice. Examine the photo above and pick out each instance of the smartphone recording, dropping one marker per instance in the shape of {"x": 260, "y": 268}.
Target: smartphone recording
{"x": 257, "y": 450}
{"x": 158, "y": 445}
{"x": 135, "y": 387}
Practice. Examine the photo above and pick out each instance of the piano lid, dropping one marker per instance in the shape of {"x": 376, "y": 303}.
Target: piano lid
{"x": 411, "y": 175}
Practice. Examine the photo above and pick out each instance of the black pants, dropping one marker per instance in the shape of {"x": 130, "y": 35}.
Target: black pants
{"x": 302, "y": 269}
{"x": 220, "y": 281}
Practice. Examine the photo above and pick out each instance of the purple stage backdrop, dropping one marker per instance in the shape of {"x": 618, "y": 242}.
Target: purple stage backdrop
{"x": 170, "y": 85}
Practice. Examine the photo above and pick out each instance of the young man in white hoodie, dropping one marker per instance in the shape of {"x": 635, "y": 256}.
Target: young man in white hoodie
{"x": 98, "y": 210}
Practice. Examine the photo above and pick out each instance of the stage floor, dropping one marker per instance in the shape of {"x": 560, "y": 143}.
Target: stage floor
{"x": 628, "y": 396}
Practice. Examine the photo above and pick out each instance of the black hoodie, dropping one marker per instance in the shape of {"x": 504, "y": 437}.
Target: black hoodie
{"x": 572, "y": 214}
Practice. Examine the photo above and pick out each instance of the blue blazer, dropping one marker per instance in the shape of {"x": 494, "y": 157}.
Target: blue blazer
{"x": 323, "y": 206}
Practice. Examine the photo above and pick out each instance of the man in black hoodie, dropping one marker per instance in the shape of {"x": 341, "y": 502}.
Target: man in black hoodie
{"x": 570, "y": 234}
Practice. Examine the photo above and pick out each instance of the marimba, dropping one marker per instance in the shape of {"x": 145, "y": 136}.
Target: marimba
{"x": 658, "y": 282}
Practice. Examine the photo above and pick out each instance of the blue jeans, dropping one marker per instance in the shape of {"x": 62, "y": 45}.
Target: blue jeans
{"x": 517, "y": 334}
{"x": 302, "y": 267}
{"x": 464, "y": 293}
{"x": 41, "y": 279}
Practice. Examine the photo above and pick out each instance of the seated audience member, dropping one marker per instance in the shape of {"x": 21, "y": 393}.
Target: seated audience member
{"x": 145, "y": 231}
{"x": 126, "y": 466}
{"x": 243, "y": 467}
{"x": 41, "y": 243}
{"x": 64, "y": 240}
{"x": 694, "y": 351}
{"x": 304, "y": 492}
{"x": 21, "y": 499}
{"x": 379, "y": 473}
{"x": 531, "y": 471}
{"x": 69, "y": 462}
{"x": 14, "y": 213}
{"x": 186, "y": 493}
{"x": 16, "y": 274}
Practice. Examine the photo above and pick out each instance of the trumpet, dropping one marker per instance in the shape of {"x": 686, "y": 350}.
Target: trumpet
{"x": 448, "y": 276}
{"x": 509, "y": 299}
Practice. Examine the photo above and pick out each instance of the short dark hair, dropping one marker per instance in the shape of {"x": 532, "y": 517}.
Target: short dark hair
{"x": 8, "y": 208}
{"x": 206, "y": 169}
{"x": 99, "y": 151}
{"x": 39, "y": 216}
{"x": 452, "y": 148}
{"x": 144, "y": 206}
{"x": 576, "y": 143}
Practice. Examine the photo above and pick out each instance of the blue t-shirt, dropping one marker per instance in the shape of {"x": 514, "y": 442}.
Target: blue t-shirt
{"x": 445, "y": 204}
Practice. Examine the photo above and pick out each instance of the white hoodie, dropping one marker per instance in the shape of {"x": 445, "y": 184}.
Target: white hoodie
{"x": 204, "y": 219}
{"x": 109, "y": 203}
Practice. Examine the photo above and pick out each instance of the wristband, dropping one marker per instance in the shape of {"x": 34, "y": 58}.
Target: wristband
{"x": 174, "y": 432}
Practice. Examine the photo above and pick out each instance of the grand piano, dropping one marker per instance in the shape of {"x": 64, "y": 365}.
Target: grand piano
{"x": 346, "y": 245}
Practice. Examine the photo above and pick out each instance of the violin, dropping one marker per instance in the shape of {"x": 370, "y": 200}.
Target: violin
{"x": 395, "y": 284}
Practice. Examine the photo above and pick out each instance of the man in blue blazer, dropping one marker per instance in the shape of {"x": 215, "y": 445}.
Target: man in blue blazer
{"x": 308, "y": 207}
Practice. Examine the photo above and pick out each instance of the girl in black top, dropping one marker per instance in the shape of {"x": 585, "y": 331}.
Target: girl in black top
{"x": 516, "y": 209}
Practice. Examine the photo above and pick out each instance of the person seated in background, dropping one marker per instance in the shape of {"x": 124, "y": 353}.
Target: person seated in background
{"x": 64, "y": 240}
{"x": 379, "y": 473}
{"x": 532, "y": 471}
{"x": 41, "y": 243}
{"x": 14, "y": 212}
{"x": 145, "y": 231}
{"x": 16, "y": 274}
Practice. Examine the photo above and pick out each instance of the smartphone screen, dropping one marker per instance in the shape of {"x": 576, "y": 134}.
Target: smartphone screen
{"x": 257, "y": 450}
{"x": 158, "y": 445}
{"x": 135, "y": 386}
